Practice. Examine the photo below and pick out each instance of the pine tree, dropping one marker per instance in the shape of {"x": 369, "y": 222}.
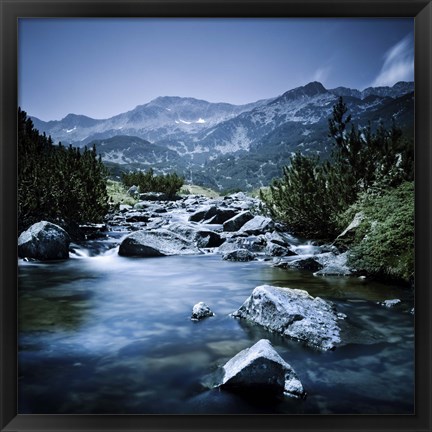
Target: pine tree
{"x": 311, "y": 196}
{"x": 61, "y": 185}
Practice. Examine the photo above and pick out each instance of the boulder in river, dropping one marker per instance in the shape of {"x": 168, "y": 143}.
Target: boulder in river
{"x": 213, "y": 215}
{"x": 335, "y": 265}
{"x": 304, "y": 264}
{"x": 293, "y": 313}
{"x": 157, "y": 242}
{"x": 251, "y": 243}
{"x": 260, "y": 367}
{"x": 200, "y": 236}
{"x": 44, "y": 241}
{"x": 276, "y": 250}
{"x": 258, "y": 225}
{"x": 200, "y": 311}
{"x": 239, "y": 255}
{"x": 236, "y": 222}
{"x": 202, "y": 213}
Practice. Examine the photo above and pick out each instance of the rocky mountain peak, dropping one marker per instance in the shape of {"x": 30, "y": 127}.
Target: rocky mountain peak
{"x": 310, "y": 90}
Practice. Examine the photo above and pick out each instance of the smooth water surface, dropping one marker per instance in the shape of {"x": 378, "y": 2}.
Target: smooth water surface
{"x": 110, "y": 334}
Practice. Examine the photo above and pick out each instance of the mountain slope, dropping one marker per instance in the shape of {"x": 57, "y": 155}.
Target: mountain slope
{"x": 228, "y": 146}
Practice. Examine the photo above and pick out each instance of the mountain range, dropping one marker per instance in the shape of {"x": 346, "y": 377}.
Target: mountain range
{"x": 227, "y": 146}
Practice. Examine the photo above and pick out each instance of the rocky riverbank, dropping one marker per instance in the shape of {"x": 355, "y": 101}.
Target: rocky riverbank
{"x": 232, "y": 229}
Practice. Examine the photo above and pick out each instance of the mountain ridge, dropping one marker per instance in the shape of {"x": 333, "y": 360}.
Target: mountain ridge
{"x": 188, "y": 135}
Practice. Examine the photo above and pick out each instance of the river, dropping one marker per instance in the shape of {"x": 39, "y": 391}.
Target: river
{"x": 101, "y": 333}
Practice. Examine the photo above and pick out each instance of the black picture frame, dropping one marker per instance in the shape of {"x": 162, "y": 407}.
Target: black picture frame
{"x": 11, "y": 10}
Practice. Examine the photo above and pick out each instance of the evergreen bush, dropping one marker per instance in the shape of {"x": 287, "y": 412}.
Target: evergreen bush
{"x": 58, "y": 184}
{"x": 384, "y": 241}
{"x": 169, "y": 184}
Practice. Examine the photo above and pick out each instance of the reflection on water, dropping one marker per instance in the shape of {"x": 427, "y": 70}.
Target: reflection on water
{"x": 110, "y": 334}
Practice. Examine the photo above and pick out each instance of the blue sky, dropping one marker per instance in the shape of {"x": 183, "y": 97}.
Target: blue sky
{"x": 102, "y": 67}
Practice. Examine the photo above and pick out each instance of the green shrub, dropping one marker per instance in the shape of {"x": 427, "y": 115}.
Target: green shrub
{"x": 169, "y": 184}
{"x": 301, "y": 199}
{"x": 117, "y": 194}
{"x": 312, "y": 195}
{"x": 384, "y": 242}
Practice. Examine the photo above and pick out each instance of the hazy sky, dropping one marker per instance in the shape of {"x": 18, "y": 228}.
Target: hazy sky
{"x": 102, "y": 67}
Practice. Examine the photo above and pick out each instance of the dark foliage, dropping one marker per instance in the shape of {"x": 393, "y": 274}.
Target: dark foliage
{"x": 384, "y": 242}
{"x": 311, "y": 195}
{"x": 168, "y": 184}
{"x": 58, "y": 184}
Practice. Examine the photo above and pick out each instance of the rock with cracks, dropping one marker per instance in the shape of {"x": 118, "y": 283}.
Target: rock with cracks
{"x": 293, "y": 313}
{"x": 260, "y": 367}
{"x": 44, "y": 241}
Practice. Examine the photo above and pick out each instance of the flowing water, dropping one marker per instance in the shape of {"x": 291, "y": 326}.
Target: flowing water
{"x": 100, "y": 333}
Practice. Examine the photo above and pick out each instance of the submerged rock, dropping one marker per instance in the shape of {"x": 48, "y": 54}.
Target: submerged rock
{"x": 293, "y": 313}
{"x": 44, "y": 241}
{"x": 200, "y": 311}
{"x": 260, "y": 367}
{"x": 239, "y": 255}
{"x": 157, "y": 242}
{"x": 390, "y": 303}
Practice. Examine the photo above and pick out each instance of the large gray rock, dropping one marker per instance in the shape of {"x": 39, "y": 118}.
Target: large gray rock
{"x": 157, "y": 242}
{"x": 222, "y": 215}
{"x": 276, "y": 250}
{"x": 213, "y": 215}
{"x": 261, "y": 367}
{"x": 345, "y": 238}
{"x": 136, "y": 217}
{"x": 239, "y": 255}
{"x": 277, "y": 238}
{"x": 236, "y": 222}
{"x": 44, "y": 241}
{"x": 304, "y": 264}
{"x": 196, "y": 234}
{"x": 133, "y": 191}
{"x": 335, "y": 265}
{"x": 251, "y": 243}
{"x": 293, "y": 313}
{"x": 202, "y": 213}
{"x": 258, "y": 225}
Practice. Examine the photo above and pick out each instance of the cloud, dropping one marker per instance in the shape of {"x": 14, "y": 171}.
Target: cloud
{"x": 398, "y": 64}
{"x": 321, "y": 74}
